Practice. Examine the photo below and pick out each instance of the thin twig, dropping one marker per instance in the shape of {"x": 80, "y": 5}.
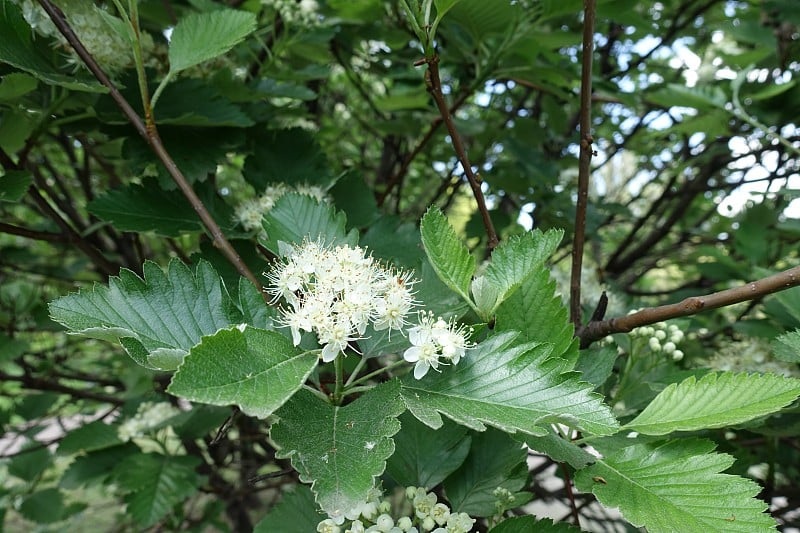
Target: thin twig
{"x": 150, "y": 134}
{"x": 584, "y": 162}
{"x": 434, "y": 85}
{"x": 691, "y": 306}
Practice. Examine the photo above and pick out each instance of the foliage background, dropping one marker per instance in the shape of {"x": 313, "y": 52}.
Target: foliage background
{"x": 693, "y": 190}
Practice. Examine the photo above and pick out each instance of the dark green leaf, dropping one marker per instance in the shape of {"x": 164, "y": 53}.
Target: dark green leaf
{"x": 529, "y": 524}
{"x": 155, "y": 483}
{"x": 447, "y": 254}
{"x": 14, "y": 184}
{"x": 43, "y": 507}
{"x": 295, "y": 513}
{"x": 95, "y": 435}
{"x": 787, "y": 347}
{"x": 424, "y": 457}
{"x": 495, "y": 461}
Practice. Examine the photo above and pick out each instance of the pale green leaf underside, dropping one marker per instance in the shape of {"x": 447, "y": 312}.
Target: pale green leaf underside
{"x": 158, "y": 318}
{"x": 202, "y": 36}
{"x": 340, "y": 450}
{"x": 511, "y": 386}
{"x": 676, "y": 486}
{"x": 296, "y": 217}
{"x": 516, "y": 258}
{"x": 449, "y": 257}
{"x": 717, "y": 400}
{"x": 257, "y": 370}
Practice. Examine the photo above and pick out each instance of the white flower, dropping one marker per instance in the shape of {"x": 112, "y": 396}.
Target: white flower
{"x": 336, "y": 293}
{"x": 433, "y": 340}
{"x": 328, "y": 526}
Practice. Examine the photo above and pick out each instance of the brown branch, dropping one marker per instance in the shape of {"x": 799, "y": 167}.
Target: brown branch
{"x": 33, "y": 234}
{"x": 434, "y": 85}
{"x": 584, "y": 163}
{"x": 34, "y": 383}
{"x": 150, "y": 134}
{"x": 690, "y": 306}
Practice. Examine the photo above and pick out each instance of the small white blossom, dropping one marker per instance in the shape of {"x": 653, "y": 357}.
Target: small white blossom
{"x": 433, "y": 341}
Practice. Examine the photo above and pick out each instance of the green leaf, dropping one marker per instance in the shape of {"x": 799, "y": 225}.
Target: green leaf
{"x": 527, "y": 524}
{"x": 146, "y": 207}
{"x": 95, "y": 466}
{"x": 157, "y": 319}
{"x": 340, "y": 450}
{"x": 675, "y": 485}
{"x": 703, "y": 98}
{"x": 14, "y": 184}
{"x": 15, "y": 85}
{"x": 156, "y": 483}
{"x": 202, "y": 36}
{"x": 30, "y": 464}
{"x": 558, "y": 449}
{"x": 449, "y": 257}
{"x": 517, "y": 258}
{"x": 95, "y": 435}
{"x": 296, "y": 217}
{"x": 538, "y": 313}
{"x": 511, "y": 386}
{"x": 424, "y": 457}
{"x": 257, "y": 370}
{"x": 289, "y": 156}
{"x": 596, "y": 364}
{"x": 717, "y": 400}
{"x": 43, "y": 507}
{"x": 495, "y": 461}
{"x": 195, "y": 103}
{"x": 295, "y": 513}
{"x": 18, "y": 49}
{"x": 787, "y": 347}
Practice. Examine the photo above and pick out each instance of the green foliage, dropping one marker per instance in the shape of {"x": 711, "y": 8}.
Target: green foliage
{"x": 675, "y": 485}
{"x": 424, "y": 457}
{"x": 296, "y": 217}
{"x": 511, "y": 386}
{"x": 717, "y": 400}
{"x": 162, "y": 338}
{"x": 155, "y": 483}
{"x": 217, "y": 419}
{"x": 254, "y": 369}
{"x": 202, "y": 36}
{"x": 339, "y": 450}
{"x": 449, "y": 257}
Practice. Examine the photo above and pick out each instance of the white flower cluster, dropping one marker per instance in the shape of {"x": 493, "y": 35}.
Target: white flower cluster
{"x": 409, "y": 510}
{"x": 749, "y": 355}
{"x": 250, "y": 212}
{"x": 110, "y": 49}
{"x": 662, "y": 338}
{"x": 336, "y": 292}
{"x": 435, "y": 342}
{"x": 304, "y": 12}
{"x": 149, "y": 416}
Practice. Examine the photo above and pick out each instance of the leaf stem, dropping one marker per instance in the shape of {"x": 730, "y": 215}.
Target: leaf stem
{"x": 387, "y": 368}
{"x": 356, "y": 370}
{"x": 338, "y": 367}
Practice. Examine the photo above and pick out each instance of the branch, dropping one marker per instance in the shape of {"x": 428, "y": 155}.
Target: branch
{"x": 584, "y": 163}
{"x": 434, "y": 84}
{"x": 150, "y": 134}
{"x": 690, "y": 306}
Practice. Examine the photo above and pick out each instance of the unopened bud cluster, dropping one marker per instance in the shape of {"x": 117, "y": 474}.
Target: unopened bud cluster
{"x": 662, "y": 338}
{"x": 250, "y": 212}
{"x": 409, "y": 510}
{"x": 336, "y": 292}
